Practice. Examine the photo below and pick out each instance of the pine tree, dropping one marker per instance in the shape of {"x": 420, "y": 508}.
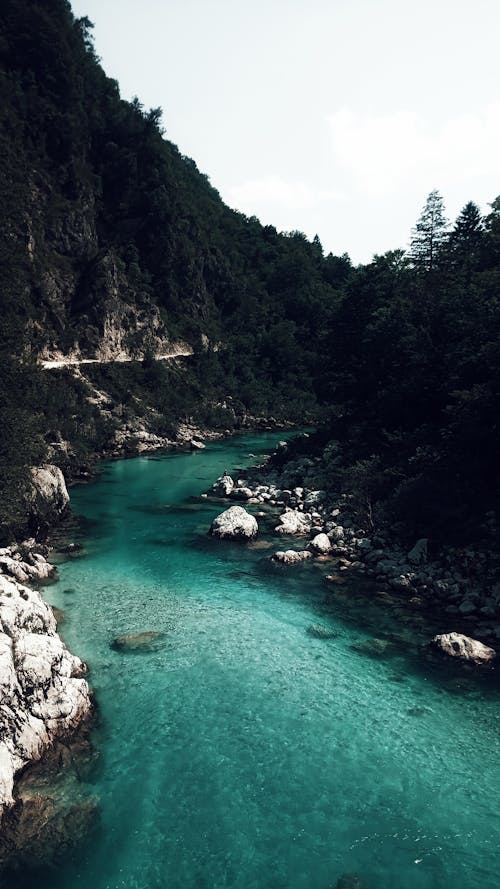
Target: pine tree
{"x": 429, "y": 234}
{"x": 467, "y": 238}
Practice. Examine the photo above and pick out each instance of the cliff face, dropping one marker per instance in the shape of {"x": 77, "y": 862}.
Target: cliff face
{"x": 117, "y": 245}
{"x": 43, "y": 695}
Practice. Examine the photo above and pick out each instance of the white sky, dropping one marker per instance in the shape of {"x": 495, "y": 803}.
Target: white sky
{"x": 334, "y": 117}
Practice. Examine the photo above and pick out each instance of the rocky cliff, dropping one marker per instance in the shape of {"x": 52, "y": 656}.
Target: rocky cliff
{"x": 44, "y": 696}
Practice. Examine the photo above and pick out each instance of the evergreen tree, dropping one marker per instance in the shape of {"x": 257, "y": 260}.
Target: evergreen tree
{"x": 429, "y": 233}
{"x": 467, "y": 238}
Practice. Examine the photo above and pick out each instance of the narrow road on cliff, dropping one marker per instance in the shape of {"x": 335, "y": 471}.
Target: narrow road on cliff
{"x": 53, "y": 364}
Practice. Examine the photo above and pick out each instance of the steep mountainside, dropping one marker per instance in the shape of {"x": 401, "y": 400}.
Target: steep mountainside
{"x": 118, "y": 243}
{"x": 116, "y": 247}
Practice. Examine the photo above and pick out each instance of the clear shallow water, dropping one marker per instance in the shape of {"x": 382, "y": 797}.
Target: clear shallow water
{"x": 243, "y": 752}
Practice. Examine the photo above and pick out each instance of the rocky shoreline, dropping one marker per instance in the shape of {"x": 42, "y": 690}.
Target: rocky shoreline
{"x": 323, "y": 527}
{"x": 45, "y": 699}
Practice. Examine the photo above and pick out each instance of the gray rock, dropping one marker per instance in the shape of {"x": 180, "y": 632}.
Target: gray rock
{"x": 241, "y": 493}
{"x": 196, "y": 445}
{"x": 294, "y": 522}
{"x": 291, "y": 556}
{"x": 418, "y": 553}
{"x": 464, "y": 648}
{"x": 223, "y": 486}
{"x": 141, "y": 642}
{"x": 235, "y": 523}
{"x": 50, "y": 498}
{"x": 320, "y": 544}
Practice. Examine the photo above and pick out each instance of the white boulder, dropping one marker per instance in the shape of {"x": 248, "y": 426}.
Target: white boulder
{"x": 294, "y": 522}
{"x": 235, "y": 523}
{"x": 42, "y": 693}
{"x": 291, "y": 556}
{"x": 320, "y": 544}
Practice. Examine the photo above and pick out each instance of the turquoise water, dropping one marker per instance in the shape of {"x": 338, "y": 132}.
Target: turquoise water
{"x": 243, "y": 753}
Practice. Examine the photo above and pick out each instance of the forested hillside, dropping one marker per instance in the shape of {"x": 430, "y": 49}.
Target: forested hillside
{"x": 114, "y": 244}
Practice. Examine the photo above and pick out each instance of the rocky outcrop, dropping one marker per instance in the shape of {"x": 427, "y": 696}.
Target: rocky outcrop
{"x": 43, "y": 695}
{"x": 464, "y": 648}
{"x": 235, "y": 523}
{"x": 25, "y": 563}
{"x": 50, "y": 498}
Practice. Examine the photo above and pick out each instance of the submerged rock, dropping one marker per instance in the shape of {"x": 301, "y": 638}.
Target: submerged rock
{"x": 321, "y": 632}
{"x": 54, "y": 811}
{"x": 145, "y": 641}
{"x": 464, "y": 648}
{"x": 349, "y": 881}
{"x": 234, "y": 523}
{"x": 375, "y": 648}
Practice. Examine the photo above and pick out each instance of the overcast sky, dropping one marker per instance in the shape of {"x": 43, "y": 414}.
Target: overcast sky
{"x": 334, "y": 117}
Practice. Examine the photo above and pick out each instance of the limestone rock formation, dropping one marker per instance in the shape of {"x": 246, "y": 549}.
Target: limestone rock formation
{"x": 235, "y": 523}
{"x": 43, "y": 695}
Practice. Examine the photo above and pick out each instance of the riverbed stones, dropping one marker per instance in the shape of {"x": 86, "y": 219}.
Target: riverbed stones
{"x": 464, "y": 648}
{"x": 234, "y": 523}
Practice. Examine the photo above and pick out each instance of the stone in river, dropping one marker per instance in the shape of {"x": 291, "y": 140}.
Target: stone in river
{"x": 374, "y": 648}
{"x": 321, "y": 632}
{"x": 235, "y": 523}
{"x": 131, "y": 642}
{"x": 291, "y": 556}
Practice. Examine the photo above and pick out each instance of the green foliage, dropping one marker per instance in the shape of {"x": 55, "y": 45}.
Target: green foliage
{"x": 105, "y": 220}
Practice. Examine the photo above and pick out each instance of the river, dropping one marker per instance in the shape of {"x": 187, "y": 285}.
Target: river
{"x": 243, "y": 752}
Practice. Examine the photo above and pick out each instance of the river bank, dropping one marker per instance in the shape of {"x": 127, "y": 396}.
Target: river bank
{"x": 461, "y": 587}
{"x": 241, "y": 749}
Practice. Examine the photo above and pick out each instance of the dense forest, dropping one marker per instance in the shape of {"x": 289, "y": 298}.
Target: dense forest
{"x": 114, "y": 242}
